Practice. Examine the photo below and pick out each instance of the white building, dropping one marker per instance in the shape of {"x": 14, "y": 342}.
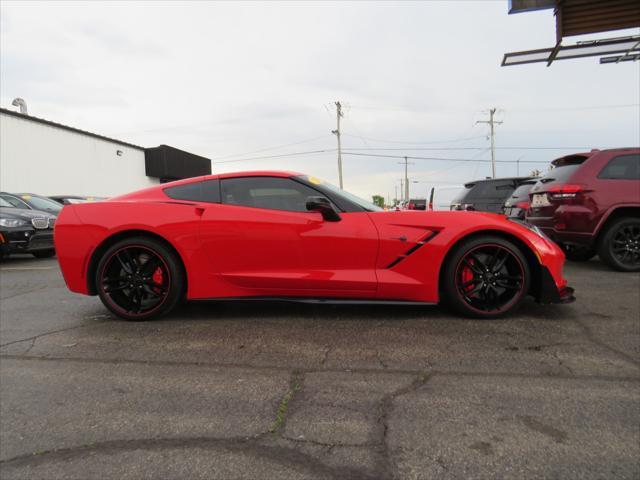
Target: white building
{"x": 47, "y": 158}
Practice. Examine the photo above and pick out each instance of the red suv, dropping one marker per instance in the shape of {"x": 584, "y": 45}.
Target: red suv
{"x": 590, "y": 203}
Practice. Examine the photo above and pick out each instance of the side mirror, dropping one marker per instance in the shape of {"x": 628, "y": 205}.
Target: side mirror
{"x": 323, "y": 205}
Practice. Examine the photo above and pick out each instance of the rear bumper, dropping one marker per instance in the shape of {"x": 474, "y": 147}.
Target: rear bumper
{"x": 569, "y": 225}
{"x": 546, "y": 290}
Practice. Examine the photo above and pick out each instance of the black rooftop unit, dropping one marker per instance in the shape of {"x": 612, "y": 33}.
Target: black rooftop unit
{"x": 168, "y": 163}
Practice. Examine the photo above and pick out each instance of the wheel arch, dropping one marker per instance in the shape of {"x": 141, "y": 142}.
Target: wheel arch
{"x": 121, "y": 235}
{"x": 530, "y": 256}
{"x": 613, "y": 215}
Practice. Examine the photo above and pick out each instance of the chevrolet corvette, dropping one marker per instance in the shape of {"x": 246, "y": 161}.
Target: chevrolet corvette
{"x": 285, "y": 236}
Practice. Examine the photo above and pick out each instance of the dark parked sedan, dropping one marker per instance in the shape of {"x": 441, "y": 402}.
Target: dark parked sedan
{"x": 29, "y": 201}
{"x": 486, "y": 195}
{"x": 25, "y": 231}
{"x": 517, "y": 204}
{"x": 74, "y": 199}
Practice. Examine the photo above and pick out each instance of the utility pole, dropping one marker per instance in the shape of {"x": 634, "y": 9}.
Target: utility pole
{"x": 402, "y": 189}
{"x": 491, "y": 123}
{"x": 395, "y": 199}
{"x": 406, "y": 178}
{"x": 336, "y": 132}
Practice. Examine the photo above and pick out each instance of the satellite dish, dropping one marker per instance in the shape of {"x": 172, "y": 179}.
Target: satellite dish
{"x": 19, "y": 102}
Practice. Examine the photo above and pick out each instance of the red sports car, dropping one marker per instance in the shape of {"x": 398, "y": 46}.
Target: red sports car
{"x": 280, "y": 235}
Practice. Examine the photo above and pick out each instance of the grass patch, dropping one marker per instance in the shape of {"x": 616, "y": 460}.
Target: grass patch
{"x": 284, "y": 404}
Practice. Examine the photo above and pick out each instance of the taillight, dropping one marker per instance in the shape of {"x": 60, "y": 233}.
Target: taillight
{"x": 430, "y": 206}
{"x": 522, "y": 205}
{"x": 566, "y": 190}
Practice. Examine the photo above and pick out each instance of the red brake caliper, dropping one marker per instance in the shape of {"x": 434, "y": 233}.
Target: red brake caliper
{"x": 157, "y": 278}
{"x": 466, "y": 276}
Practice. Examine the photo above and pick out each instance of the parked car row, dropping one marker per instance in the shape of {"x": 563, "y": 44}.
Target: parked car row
{"x": 589, "y": 204}
{"x": 27, "y": 221}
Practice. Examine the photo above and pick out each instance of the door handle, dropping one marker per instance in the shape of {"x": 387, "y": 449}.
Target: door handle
{"x": 401, "y": 238}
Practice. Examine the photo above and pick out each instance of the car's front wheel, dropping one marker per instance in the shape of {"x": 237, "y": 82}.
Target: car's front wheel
{"x": 140, "y": 278}
{"x": 485, "y": 277}
{"x": 620, "y": 245}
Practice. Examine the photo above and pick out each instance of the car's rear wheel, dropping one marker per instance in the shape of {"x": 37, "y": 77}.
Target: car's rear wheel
{"x": 485, "y": 277}
{"x": 620, "y": 245}
{"x": 44, "y": 253}
{"x": 139, "y": 279}
{"x": 578, "y": 254}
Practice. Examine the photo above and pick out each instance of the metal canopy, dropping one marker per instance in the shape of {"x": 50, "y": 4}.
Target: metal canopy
{"x": 627, "y": 48}
{"x": 580, "y": 17}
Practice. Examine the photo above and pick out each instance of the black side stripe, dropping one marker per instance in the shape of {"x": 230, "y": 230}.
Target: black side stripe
{"x": 418, "y": 244}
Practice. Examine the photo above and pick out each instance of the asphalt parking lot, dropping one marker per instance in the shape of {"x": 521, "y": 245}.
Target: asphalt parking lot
{"x": 249, "y": 390}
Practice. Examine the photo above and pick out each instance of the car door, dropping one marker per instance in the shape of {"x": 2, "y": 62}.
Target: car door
{"x": 261, "y": 238}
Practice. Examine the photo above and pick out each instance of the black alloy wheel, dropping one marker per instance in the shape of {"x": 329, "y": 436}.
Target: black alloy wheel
{"x": 139, "y": 278}
{"x": 486, "y": 277}
{"x": 620, "y": 245}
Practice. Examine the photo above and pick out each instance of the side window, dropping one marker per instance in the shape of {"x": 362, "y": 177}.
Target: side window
{"x": 622, "y": 167}
{"x": 271, "y": 193}
{"x": 207, "y": 191}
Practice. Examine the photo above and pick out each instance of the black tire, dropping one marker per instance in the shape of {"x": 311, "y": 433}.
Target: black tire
{"x": 476, "y": 283}
{"x": 44, "y": 253}
{"x": 140, "y": 278}
{"x": 578, "y": 254}
{"x": 620, "y": 245}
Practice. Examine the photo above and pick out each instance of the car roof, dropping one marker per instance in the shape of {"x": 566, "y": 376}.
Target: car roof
{"x": 255, "y": 173}
{"x": 487, "y": 180}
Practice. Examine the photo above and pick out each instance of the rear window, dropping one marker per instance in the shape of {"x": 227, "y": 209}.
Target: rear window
{"x": 487, "y": 190}
{"x": 207, "y": 191}
{"x": 560, "y": 174}
{"x": 623, "y": 167}
{"x": 522, "y": 192}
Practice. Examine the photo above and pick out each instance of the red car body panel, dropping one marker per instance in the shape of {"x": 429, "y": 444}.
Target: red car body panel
{"x": 235, "y": 251}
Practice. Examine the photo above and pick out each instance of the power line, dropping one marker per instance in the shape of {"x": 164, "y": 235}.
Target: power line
{"x": 462, "y": 148}
{"x": 293, "y": 154}
{"x": 415, "y": 143}
{"x": 441, "y": 158}
{"x": 270, "y": 148}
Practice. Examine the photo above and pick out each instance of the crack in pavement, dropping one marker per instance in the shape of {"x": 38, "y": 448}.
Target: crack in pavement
{"x": 249, "y": 445}
{"x": 588, "y": 333}
{"x": 308, "y": 370}
{"x": 387, "y": 465}
{"x": 52, "y": 332}
{"x": 295, "y": 385}
{"x": 26, "y": 292}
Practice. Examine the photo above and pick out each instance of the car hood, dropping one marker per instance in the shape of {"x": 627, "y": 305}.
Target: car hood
{"x": 8, "y": 212}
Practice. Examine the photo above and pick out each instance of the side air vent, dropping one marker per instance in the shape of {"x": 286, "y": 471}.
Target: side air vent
{"x": 427, "y": 237}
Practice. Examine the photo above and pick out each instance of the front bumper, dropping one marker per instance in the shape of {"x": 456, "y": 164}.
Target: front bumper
{"x": 25, "y": 240}
{"x": 546, "y": 290}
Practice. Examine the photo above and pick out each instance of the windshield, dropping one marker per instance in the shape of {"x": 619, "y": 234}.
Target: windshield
{"x": 42, "y": 203}
{"x": 4, "y": 203}
{"x": 367, "y": 206}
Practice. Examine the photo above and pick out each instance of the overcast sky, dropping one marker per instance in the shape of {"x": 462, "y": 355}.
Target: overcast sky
{"x": 232, "y": 80}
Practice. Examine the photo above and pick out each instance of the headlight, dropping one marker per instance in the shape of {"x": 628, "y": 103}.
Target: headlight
{"x": 12, "y": 222}
{"x": 537, "y": 231}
